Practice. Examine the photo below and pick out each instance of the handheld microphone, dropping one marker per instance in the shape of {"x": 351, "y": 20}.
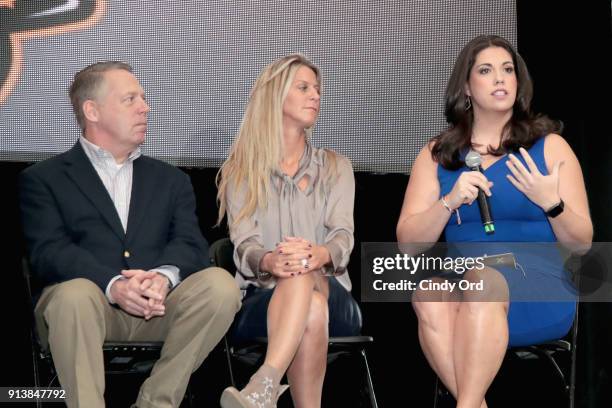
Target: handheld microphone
{"x": 473, "y": 161}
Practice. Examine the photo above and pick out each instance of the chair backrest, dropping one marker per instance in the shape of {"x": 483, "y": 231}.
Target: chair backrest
{"x": 222, "y": 254}
{"x": 25, "y": 270}
{"x": 27, "y": 278}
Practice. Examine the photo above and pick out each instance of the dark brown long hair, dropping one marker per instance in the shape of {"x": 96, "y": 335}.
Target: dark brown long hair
{"x": 523, "y": 128}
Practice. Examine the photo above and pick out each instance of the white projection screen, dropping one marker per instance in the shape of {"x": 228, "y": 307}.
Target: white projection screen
{"x": 385, "y": 65}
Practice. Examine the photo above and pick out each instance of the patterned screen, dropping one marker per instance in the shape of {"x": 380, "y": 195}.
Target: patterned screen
{"x": 385, "y": 65}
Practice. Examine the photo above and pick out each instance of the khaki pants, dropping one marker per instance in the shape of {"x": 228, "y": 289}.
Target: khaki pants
{"x": 74, "y": 319}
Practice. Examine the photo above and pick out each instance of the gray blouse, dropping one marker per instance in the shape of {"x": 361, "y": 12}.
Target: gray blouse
{"x": 322, "y": 213}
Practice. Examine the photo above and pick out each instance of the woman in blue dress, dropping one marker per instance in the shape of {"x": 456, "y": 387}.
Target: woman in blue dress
{"x": 536, "y": 192}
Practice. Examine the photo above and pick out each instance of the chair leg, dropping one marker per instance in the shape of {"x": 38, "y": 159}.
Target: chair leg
{"x": 228, "y": 356}
{"x": 36, "y": 367}
{"x": 436, "y": 392}
{"x": 441, "y": 394}
{"x": 547, "y": 357}
{"x": 370, "y": 384}
{"x": 36, "y": 375}
{"x": 572, "y": 382}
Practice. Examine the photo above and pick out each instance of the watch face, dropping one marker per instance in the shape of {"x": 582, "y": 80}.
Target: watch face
{"x": 556, "y": 210}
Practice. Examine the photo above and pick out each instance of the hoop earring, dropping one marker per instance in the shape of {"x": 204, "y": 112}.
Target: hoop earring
{"x": 468, "y": 103}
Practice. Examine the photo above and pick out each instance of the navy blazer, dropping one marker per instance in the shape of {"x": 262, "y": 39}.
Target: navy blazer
{"x": 72, "y": 228}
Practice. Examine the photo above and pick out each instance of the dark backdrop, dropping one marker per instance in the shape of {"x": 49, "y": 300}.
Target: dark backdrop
{"x": 566, "y": 47}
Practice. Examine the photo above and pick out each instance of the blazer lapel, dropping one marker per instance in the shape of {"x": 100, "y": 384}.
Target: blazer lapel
{"x": 82, "y": 172}
{"x": 143, "y": 187}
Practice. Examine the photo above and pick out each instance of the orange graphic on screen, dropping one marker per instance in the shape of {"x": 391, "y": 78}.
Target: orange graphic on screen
{"x": 24, "y": 19}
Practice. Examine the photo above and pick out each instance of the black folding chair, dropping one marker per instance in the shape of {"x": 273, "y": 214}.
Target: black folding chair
{"x": 120, "y": 357}
{"x": 221, "y": 253}
{"x": 553, "y": 352}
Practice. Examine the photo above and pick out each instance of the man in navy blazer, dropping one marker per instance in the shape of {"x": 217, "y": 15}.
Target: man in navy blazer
{"x": 114, "y": 241}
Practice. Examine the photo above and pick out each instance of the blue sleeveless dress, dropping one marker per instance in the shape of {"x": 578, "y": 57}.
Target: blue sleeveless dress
{"x": 542, "y": 298}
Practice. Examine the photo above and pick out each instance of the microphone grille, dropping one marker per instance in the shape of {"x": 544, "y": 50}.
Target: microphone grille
{"x": 473, "y": 159}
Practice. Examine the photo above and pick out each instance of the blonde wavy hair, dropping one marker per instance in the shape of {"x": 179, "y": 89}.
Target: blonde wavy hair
{"x": 257, "y": 150}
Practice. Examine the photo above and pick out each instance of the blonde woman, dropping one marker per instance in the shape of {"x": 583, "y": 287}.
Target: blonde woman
{"x": 290, "y": 214}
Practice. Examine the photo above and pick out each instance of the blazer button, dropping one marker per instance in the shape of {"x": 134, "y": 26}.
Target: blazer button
{"x": 126, "y": 254}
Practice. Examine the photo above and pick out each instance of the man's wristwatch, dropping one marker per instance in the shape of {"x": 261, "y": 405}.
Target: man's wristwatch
{"x": 556, "y": 209}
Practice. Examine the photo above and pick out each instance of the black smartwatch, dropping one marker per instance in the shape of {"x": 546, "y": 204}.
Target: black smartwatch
{"x": 555, "y": 209}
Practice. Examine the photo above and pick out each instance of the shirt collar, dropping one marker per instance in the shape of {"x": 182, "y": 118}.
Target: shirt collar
{"x": 95, "y": 152}
{"x": 309, "y": 165}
